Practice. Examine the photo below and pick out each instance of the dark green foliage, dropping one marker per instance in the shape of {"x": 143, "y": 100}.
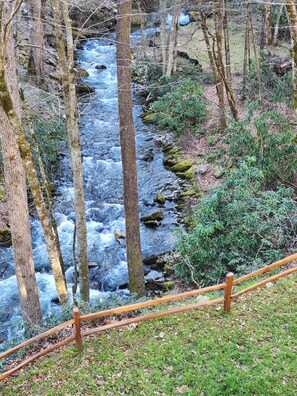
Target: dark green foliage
{"x": 273, "y": 146}
{"x": 48, "y": 135}
{"x": 181, "y": 108}
{"x": 238, "y": 227}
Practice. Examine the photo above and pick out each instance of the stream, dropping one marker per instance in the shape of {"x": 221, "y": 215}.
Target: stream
{"x": 102, "y": 167}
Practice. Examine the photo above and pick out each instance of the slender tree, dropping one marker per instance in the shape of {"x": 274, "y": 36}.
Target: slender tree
{"x": 292, "y": 15}
{"x": 12, "y": 112}
{"x": 36, "y": 38}
{"x": 15, "y": 174}
{"x": 66, "y": 59}
{"x": 128, "y": 149}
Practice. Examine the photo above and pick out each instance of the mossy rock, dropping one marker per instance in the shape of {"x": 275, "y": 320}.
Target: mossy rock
{"x": 160, "y": 199}
{"x": 5, "y": 236}
{"x": 84, "y": 89}
{"x": 170, "y": 161}
{"x": 80, "y": 72}
{"x": 174, "y": 151}
{"x": 182, "y": 166}
{"x": 187, "y": 193}
{"x": 167, "y": 147}
{"x": 152, "y": 216}
{"x": 168, "y": 269}
{"x": 148, "y": 116}
{"x": 136, "y": 20}
{"x": 151, "y": 223}
{"x": 189, "y": 174}
{"x": 169, "y": 284}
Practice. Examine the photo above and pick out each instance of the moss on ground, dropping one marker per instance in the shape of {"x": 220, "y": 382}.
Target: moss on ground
{"x": 251, "y": 351}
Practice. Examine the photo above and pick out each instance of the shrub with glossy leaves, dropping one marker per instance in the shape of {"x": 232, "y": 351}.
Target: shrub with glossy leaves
{"x": 183, "y": 107}
{"x": 238, "y": 227}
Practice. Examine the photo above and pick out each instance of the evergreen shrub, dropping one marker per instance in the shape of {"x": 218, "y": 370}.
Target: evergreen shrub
{"x": 238, "y": 227}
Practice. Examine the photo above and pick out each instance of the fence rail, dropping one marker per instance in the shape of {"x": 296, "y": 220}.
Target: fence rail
{"x": 227, "y": 286}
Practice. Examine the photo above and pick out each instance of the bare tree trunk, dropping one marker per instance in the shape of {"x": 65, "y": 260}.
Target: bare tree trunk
{"x": 292, "y": 16}
{"x": 163, "y": 11}
{"x": 128, "y": 149}
{"x": 12, "y": 110}
{"x": 172, "y": 40}
{"x": 276, "y": 27}
{"x": 268, "y": 23}
{"x": 68, "y": 80}
{"x": 35, "y": 66}
{"x": 226, "y": 42}
{"x": 219, "y": 81}
{"x": 15, "y": 179}
{"x": 258, "y": 70}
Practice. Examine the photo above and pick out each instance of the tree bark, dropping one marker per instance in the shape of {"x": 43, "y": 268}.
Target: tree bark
{"x": 292, "y": 15}
{"x": 35, "y": 66}
{"x": 128, "y": 149}
{"x": 11, "y": 108}
{"x": 15, "y": 181}
{"x": 60, "y": 11}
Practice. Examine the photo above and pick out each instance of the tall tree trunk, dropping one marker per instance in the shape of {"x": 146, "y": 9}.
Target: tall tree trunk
{"x": 163, "y": 14}
{"x": 172, "y": 40}
{"x": 35, "y": 66}
{"x": 276, "y": 27}
{"x": 15, "y": 179}
{"x": 60, "y": 9}
{"x": 219, "y": 81}
{"x": 292, "y": 16}
{"x": 226, "y": 42}
{"x": 12, "y": 110}
{"x": 128, "y": 149}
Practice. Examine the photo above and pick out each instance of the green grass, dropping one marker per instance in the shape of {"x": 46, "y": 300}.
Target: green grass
{"x": 251, "y": 351}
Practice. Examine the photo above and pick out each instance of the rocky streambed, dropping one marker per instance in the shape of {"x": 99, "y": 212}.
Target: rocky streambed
{"x": 159, "y": 190}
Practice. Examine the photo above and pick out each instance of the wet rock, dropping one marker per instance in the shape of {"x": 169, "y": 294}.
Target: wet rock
{"x": 152, "y": 216}
{"x": 202, "y": 169}
{"x": 168, "y": 269}
{"x": 6, "y": 270}
{"x": 152, "y": 223}
{"x": 92, "y": 264}
{"x": 154, "y": 275}
{"x": 189, "y": 174}
{"x": 80, "y": 72}
{"x": 149, "y": 260}
{"x": 119, "y": 234}
{"x": 83, "y": 89}
{"x": 182, "y": 166}
{"x": 160, "y": 199}
{"x": 170, "y": 161}
{"x": 100, "y": 67}
{"x": 148, "y": 157}
{"x": 167, "y": 147}
{"x": 218, "y": 173}
{"x": 5, "y": 236}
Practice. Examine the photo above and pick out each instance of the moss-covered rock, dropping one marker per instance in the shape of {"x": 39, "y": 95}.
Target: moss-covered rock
{"x": 80, "y": 72}
{"x": 152, "y": 216}
{"x": 182, "y": 166}
{"x": 160, "y": 199}
{"x": 5, "y": 236}
{"x": 170, "y": 161}
{"x": 189, "y": 174}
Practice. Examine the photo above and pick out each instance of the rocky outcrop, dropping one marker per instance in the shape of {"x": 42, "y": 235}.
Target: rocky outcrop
{"x": 96, "y": 17}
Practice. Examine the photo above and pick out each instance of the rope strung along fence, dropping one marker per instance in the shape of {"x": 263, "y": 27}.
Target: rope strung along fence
{"x": 77, "y": 319}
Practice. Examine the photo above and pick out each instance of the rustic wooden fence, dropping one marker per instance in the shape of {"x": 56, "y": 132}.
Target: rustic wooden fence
{"x": 78, "y": 334}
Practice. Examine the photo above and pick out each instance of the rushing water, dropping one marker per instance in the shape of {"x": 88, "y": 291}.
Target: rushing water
{"x": 102, "y": 167}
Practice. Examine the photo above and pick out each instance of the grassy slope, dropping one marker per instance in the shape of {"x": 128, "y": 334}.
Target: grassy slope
{"x": 251, "y": 351}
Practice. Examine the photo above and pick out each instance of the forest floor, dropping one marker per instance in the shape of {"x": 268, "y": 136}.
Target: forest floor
{"x": 251, "y": 351}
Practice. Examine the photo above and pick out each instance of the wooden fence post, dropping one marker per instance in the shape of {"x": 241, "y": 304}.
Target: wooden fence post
{"x": 78, "y": 340}
{"x": 228, "y": 292}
